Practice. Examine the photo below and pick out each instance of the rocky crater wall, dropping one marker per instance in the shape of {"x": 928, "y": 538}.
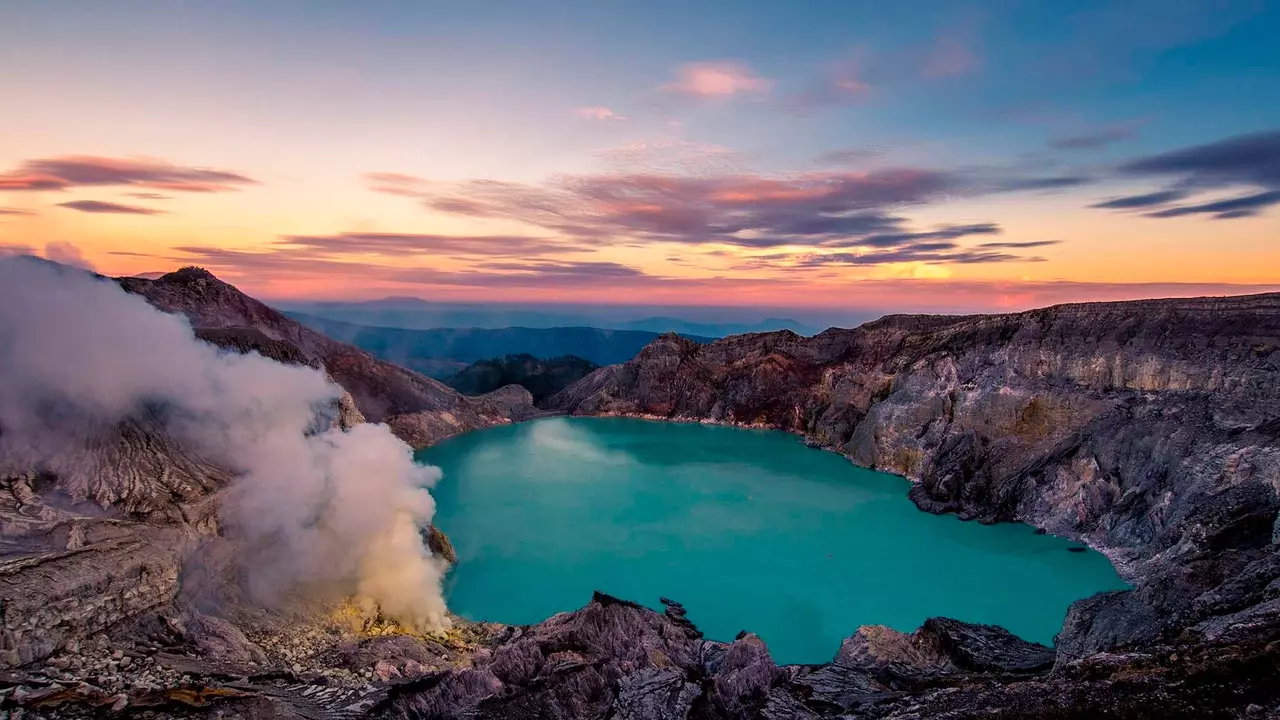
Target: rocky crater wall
{"x": 1150, "y": 430}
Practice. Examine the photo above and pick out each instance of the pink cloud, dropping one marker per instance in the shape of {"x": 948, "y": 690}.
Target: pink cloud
{"x": 401, "y": 184}
{"x": 59, "y": 173}
{"x": 67, "y": 254}
{"x": 717, "y": 79}
{"x": 598, "y": 113}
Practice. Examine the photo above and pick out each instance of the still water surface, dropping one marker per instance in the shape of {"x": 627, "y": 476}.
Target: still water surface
{"x": 749, "y": 529}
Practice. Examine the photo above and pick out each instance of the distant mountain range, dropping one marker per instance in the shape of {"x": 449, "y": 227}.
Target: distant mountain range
{"x": 441, "y": 352}
{"x": 542, "y": 378}
{"x": 416, "y": 314}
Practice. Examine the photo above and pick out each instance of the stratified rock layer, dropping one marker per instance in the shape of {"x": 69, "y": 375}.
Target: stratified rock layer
{"x": 1149, "y": 430}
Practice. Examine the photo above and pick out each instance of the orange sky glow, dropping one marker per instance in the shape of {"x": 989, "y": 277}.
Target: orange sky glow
{"x": 681, "y": 175}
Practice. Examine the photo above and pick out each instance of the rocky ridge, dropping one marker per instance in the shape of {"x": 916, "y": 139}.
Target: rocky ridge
{"x": 419, "y": 410}
{"x": 114, "y": 570}
{"x": 1149, "y": 430}
{"x": 1146, "y": 429}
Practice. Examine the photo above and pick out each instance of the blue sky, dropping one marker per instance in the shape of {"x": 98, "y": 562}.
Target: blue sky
{"x": 308, "y": 100}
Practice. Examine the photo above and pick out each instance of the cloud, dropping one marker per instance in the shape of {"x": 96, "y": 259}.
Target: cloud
{"x": 946, "y": 232}
{"x": 15, "y": 180}
{"x": 816, "y": 209}
{"x": 1026, "y": 244}
{"x": 848, "y": 156}
{"x": 12, "y": 250}
{"x": 506, "y": 275}
{"x": 1097, "y": 138}
{"x": 598, "y": 113}
{"x": 148, "y": 196}
{"x": 15, "y": 211}
{"x": 1239, "y": 207}
{"x": 1016, "y": 184}
{"x": 933, "y": 254}
{"x": 397, "y": 183}
{"x": 1252, "y": 159}
{"x": 937, "y": 246}
{"x": 748, "y": 210}
{"x": 664, "y": 156}
{"x": 61, "y": 173}
{"x": 67, "y": 254}
{"x": 814, "y": 212}
{"x": 717, "y": 79}
{"x": 1145, "y": 200}
{"x": 98, "y": 206}
{"x": 415, "y": 243}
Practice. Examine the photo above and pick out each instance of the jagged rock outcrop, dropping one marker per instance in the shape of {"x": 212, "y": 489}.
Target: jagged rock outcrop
{"x": 615, "y": 659}
{"x": 1149, "y": 430}
{"x": 101, "y": 533}
{"x": 419, "y": 410}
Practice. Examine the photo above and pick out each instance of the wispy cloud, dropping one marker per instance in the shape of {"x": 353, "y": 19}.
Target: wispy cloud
{"x": 402, "y": 244}
{"x": 98, "y": 206}
{"x": 1243, "y": 161}
{"x": 1238, "y": 207}
{"x": 946, "y": 232}
{"x": 1252, "y": 159}
{"x": 819, "y": 211}
{"x": 848, "y": 156}
{"x": 598, "y": 113}
{"x": 717, "y": 79}
{"x": 932, "y": 254}
{"x": 559, "y": 275}
{"x": 667, "y": 155}
{"x": 743, "y": 210}
{"x": 1143, "y": 200}
{"x": 1021, "y": 245}
{"x": 148, "y": 196}
{"x": 11, "y": 249}
{"x": 61, "y": 173}
{"x": 15, "y": 211}
{"x": 67, "y": 254}
{"x": 393, "y": 183}
{"x": 57, "y": 251}
{"x": 1097, "y": 138}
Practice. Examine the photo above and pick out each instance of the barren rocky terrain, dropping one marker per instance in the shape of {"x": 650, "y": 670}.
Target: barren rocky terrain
{"x": 1149, "y": 430}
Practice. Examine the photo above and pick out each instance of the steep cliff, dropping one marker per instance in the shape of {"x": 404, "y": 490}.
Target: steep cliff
{"x": 419, "y": 410}
{"x": 1150, "y": 430}
{"x": 119, "y": 526}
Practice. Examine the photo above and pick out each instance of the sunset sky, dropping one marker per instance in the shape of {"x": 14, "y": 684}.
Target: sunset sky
{"x": 998, "y": 154}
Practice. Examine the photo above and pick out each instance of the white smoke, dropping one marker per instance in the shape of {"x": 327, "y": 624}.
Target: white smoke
{"x": 313, "y": 505}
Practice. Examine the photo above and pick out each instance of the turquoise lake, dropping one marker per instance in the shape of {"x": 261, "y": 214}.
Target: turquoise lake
{"x": 749, "y": 529}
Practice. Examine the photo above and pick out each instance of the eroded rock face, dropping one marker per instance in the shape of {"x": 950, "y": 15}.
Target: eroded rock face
{"x": 124, "y": 522}
{"x": 613, "y": 659}
{"x": 421, "y": 411}
{"x": 1150, "y": 430}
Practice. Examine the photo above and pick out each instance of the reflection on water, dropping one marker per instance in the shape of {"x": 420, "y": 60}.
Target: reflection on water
{"x": 749, "y": 529}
